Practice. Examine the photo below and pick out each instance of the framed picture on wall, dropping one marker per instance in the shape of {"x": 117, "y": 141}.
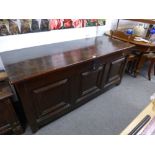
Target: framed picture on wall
{"x": 22, "y": 26}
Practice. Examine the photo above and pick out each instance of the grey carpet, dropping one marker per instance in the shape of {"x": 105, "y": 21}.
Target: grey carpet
{"x": 108, "y": 114}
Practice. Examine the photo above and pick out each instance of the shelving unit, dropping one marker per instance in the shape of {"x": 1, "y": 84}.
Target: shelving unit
{"x": 151, "y": 22}
{"x": 146, "y": 21}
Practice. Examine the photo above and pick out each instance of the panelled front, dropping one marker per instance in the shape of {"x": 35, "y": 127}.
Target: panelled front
{"x": 47, "y": 97}
{"x": 54, "y": 84}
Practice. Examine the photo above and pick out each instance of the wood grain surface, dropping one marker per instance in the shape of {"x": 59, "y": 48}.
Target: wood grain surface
{"x": 102, "y": 46}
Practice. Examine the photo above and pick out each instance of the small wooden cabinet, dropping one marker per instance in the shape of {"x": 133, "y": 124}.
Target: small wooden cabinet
{"x": 9, "y": 122}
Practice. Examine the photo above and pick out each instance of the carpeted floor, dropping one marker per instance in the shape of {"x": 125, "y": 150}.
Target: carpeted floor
{"x": 108, "y": 114}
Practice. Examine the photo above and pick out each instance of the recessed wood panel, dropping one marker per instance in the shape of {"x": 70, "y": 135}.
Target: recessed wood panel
{"x": 4, "y": 114}
{"x": 90, "y": 82}
{"x": 115, "y": 70}
{"x": 9, "y": 122}
{"x": 51, "y": 97}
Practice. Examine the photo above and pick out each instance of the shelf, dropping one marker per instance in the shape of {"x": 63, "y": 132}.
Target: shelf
{"x": 147, "y": 21}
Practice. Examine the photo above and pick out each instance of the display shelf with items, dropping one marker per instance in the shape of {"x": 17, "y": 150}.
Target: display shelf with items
{"x": 141, "y": 27}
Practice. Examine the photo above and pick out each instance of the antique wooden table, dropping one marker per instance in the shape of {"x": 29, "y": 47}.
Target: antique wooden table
{"x": 142, "y": 47}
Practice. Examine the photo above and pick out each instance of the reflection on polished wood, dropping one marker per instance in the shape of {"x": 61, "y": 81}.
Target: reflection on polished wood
{"x": 34, "y": 67}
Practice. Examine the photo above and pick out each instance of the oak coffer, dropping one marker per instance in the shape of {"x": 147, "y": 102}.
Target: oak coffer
{"x": 52, "y": 85}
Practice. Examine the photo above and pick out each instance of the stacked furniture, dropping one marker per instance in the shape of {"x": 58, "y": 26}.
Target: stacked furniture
{"x": 9, "y": 122}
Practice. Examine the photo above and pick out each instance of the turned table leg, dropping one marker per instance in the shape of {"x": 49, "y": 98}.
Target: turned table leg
{"x": 149, "y": 70}
{"x": 140, "y": 64}
{"x": 154, "y": 69}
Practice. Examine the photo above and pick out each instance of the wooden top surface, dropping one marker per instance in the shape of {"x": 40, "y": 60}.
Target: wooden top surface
{"x": 5, "y": 90}
{"x": 149, "y": 110}
{"x": 101, "y": 46}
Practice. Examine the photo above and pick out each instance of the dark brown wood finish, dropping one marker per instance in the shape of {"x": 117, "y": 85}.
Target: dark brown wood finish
{"x": 9, "y": 122}
{"x": 103, "y": 46}
{"x": 53, "y": 85}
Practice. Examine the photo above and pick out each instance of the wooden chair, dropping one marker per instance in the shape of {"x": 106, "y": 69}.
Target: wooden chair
{"x": 133, "y": 58}
{"x": 151, "y": 58}
{"x": 132, "y": 62}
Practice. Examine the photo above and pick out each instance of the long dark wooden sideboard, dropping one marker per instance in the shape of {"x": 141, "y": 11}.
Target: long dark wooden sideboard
{"x": 53, "y": 85}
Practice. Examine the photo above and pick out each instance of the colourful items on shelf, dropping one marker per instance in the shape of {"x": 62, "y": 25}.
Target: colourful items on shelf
{"x": 20, "y": 26}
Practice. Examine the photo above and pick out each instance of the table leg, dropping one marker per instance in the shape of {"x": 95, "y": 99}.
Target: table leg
{"x": 141, "y": 61}
{"x": 139, "y": 65}
{"x": 150, "y": 68}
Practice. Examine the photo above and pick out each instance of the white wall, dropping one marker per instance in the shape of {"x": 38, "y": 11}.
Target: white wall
{"x": 14, "y": 42}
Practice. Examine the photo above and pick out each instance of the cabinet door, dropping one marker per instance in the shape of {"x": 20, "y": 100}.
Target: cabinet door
{"x": 89, "y": 80}
{"x": 114, "y": 71}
